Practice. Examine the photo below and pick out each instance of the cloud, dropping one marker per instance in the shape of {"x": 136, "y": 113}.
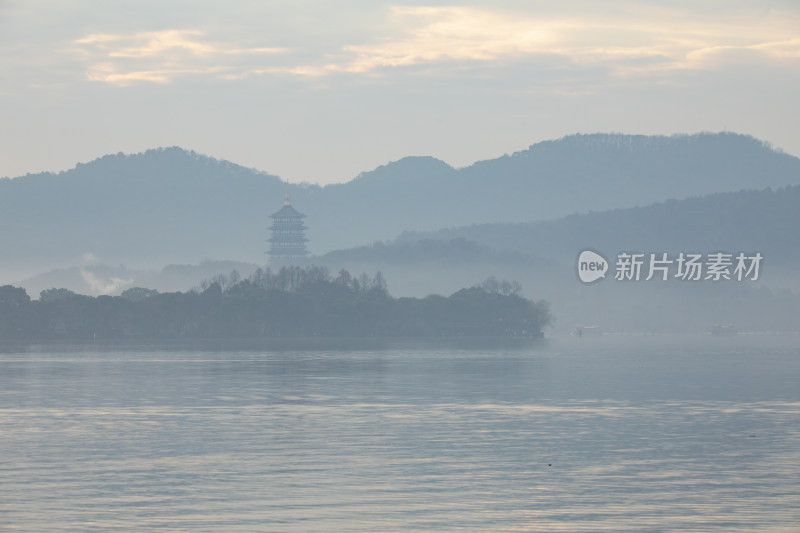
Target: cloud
{"x": 789, "y": 48}
{"x": 644, "y": 43}
{"x": 111, "y": 73}
{"x": 161, "y": 56}
{"x": 638, "y": 42}
{"x": 440, "y": 34}
{"x": 156, "y": 44}
{"x": 454, "y": 34}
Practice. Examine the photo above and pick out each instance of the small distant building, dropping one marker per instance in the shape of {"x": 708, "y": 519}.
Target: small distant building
{"x": 288, "y": 239}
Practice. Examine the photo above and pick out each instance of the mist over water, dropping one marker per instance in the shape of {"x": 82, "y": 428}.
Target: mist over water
{"x": 646, "y": 433}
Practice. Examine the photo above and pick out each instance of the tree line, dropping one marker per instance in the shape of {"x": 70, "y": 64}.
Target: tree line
{"x": 288, "y": 302}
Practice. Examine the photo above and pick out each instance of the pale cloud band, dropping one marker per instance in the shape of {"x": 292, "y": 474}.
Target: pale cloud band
{"x": 161, "y": 56}
{"x": 646, "y": 43}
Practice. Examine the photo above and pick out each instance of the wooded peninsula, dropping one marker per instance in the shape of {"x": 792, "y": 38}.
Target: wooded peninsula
{"x": 292, "y": 302}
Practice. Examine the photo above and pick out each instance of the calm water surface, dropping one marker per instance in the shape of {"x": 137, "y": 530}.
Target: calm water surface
{"x": 617, "y": 434}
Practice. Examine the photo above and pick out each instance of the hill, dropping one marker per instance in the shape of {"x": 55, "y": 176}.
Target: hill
{"x": 542, "y": 257}
{"x": 747, "y": 220}
{"x": 540, "y": 253}
{"x": 175, "y": 206}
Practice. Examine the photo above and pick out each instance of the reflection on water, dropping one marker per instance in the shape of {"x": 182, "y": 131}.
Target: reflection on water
{"x": 620, "y": 434}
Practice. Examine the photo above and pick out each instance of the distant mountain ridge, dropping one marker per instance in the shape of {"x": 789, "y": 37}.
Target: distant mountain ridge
{"x": 170, "y": 205}
{"x": 748, "y": 220}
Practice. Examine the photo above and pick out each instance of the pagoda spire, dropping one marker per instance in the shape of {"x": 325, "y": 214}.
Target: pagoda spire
{"x": 288, "y": 232}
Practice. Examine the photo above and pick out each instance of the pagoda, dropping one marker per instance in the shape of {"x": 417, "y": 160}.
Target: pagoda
{"x": 288, "y": 232}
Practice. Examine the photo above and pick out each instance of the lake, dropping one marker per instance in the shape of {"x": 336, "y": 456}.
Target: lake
{"x": 650, "y": 433}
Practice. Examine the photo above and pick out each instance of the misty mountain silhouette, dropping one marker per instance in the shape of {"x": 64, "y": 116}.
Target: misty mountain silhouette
{"x": 745, "y": 221}
{"x": 170, "y": 205}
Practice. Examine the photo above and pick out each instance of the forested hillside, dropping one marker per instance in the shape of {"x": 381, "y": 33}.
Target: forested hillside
{"x": 291, "y": 302}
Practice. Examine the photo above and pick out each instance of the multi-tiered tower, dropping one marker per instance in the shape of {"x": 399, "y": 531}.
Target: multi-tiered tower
{"x": 288, "y": 233}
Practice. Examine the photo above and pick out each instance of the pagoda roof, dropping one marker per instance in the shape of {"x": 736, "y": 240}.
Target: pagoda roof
{"x": 287, "y": 211}
{"x": 294, "y": 239}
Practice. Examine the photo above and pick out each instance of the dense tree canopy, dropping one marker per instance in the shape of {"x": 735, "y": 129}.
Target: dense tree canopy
{"x": 290, "y": 302}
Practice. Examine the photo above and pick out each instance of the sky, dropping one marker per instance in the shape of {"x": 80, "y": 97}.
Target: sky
{"x": 319, "y": 92}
